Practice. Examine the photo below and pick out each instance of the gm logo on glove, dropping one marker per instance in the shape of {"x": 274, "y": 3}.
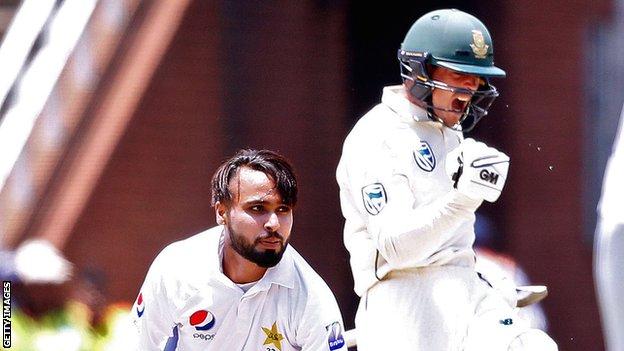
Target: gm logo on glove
{"x": 491, "y": 177}
{"x": 477, "y": 170}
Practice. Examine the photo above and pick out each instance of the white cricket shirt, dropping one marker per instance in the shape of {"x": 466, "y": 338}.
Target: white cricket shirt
{"x": 187, "y": 303}
{"x": 400, "y": 207}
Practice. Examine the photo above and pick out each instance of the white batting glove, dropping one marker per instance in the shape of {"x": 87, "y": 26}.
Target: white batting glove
{"x": 478, "y": 171}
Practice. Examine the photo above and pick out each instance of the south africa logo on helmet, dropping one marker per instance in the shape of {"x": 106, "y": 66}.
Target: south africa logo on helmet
{"x": 479, "y": 47}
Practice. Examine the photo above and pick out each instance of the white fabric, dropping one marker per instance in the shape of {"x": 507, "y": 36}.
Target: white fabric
{"x": 608, "y": 263}
{"x": 245, "y": 287}
{"x": 425, "y": 221}
{"x": 609, "y": 208}
{"x": 534, "y": 340}
{"x": 609, "y": 245}
{"x": 435, "y": 308}
{"x": 186, "y": 277}
{"x": 504, "y": 274}
{"x": 410, "y": 237}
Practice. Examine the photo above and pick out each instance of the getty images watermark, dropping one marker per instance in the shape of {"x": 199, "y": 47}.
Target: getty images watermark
{"x": 6, "y": 314}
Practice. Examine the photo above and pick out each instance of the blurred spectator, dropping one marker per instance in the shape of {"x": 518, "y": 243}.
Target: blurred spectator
{"x": 53, "y": 309}
{"x": 43, "y": 318}
{"x": 35, "y": 261}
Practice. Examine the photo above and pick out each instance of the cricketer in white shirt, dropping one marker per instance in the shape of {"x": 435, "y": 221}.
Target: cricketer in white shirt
{"x": 240, "y": 286}
{"x": 410, "y": 234}
{"x": 187, "y": 303}
{"x": 409, "y": 186}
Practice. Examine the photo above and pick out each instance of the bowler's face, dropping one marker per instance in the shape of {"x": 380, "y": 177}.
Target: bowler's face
{"x": 450, "y": 105}
{"x": 258, "y": 221}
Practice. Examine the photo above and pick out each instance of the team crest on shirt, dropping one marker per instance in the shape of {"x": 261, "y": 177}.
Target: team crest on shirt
{"x": 375, "y": 199}
{"x": 424, "y": 157}
{"x": 335, "y": 339}
{"x": 273, "y": 336}
{"x": 140, "y": 305}
{"x": 202, "y": 320}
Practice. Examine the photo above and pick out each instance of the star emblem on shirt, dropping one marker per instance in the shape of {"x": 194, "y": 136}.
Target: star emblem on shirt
{"x": 273, "y": 336}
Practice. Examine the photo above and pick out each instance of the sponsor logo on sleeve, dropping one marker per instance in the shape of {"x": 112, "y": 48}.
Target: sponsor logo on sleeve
{"x": 374, "y": 197}
{"x": 140, "y": 305}
{"x": 335, "y": 339}
{"x": 424, "y": 157}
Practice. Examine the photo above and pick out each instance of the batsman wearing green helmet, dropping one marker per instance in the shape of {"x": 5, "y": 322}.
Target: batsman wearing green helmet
{"x": 409, "y": 187}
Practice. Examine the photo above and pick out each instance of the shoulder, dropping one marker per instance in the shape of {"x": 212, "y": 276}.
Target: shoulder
{"x": 310, "y": 285}
{"x": 370, "y": 140}
{"x": 317, "y": 309}
{"x": 182, "y": 259}
{"x": 192, "y": 247}
{"x": 374, "y": 127}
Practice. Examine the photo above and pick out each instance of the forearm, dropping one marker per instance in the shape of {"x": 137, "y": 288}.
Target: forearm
{"x": 409, "y": 236}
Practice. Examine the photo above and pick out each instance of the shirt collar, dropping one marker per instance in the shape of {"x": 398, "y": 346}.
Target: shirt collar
{"x": 394, "y": 98}
{"x": 282, "y": 274}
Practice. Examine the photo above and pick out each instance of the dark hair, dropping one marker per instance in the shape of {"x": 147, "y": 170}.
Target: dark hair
{"x": 270, "y": 163}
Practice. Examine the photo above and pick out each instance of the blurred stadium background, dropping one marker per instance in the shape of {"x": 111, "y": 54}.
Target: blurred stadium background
{"x": 115, "y": 113}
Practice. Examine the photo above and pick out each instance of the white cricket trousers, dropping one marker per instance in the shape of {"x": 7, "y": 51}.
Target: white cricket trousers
{"x": 437, "y": 308}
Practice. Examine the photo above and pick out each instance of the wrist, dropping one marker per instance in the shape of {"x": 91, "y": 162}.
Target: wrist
{"x": 465, "y": 201}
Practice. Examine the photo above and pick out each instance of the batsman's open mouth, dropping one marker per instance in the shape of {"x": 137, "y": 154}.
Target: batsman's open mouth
{"x": 460, "y": 103}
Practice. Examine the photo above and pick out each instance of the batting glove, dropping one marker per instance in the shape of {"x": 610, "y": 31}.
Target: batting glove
{"x": 478, "y": 171}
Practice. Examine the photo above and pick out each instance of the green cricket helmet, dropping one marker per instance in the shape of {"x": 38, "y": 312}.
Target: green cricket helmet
{"x": 457, "y": 41}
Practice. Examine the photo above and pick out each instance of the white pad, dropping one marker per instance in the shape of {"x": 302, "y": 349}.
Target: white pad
{"x": 533, "y": 340}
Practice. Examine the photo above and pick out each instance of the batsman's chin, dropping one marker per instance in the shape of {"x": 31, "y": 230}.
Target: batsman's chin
{"x": 451, "y": 119}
